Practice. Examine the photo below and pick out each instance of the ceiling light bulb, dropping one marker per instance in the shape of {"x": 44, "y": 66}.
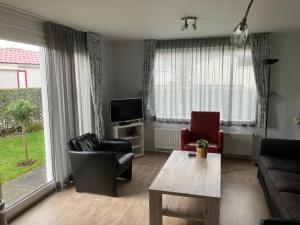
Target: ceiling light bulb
{"x": 239, "y": 35}
{"x": 240, "y": 32}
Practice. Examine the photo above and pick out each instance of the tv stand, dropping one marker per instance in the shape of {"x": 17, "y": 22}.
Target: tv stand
{"x": 124, "y": 123}
{"x": 133, "y": 132}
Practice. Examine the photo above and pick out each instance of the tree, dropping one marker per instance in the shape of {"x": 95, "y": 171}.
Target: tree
{"x": 22, "y": 111}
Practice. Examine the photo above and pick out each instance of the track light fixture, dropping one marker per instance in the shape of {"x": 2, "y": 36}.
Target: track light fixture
{"x": 189, "y": 20}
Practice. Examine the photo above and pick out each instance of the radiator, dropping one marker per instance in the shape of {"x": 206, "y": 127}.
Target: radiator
{"x": 236, "y": 143}
{"x": 166, "y": 138}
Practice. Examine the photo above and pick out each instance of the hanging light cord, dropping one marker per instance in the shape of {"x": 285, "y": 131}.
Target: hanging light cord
{"x": 246, "y": 15}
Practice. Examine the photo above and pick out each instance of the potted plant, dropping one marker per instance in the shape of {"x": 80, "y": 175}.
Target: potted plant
{"x": 202, "y": 146}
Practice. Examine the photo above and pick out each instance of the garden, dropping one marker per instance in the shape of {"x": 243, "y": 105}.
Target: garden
{"x": 21, "y": 132}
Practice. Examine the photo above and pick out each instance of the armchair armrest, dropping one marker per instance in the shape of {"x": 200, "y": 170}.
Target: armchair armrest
{"x": 280, "y": 148}
{"x": 185, "y": 137}
{"x": 220, "y": 140}
{"x": 278, "y": 221}
{"x": 115, "y": 145}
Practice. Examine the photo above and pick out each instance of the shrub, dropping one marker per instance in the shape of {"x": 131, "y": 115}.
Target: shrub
{"x": 7, "y": 125}
{"x": 35, "y": 126}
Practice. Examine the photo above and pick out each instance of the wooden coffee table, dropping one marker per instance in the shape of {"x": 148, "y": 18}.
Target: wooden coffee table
{"x": 187, "y": 187}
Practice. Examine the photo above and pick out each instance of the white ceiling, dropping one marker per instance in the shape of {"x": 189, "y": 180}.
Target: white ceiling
{"x": 160, "y": 19}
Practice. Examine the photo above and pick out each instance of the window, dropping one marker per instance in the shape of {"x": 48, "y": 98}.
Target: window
{"x": 204, "y": 78}
{"x": 22, "y": 79}
{"x": 26, "y": 171}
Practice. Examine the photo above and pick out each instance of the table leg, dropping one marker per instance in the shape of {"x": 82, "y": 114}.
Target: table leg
{"x": 213, "y": 212}
{"x": 155, "y": 208}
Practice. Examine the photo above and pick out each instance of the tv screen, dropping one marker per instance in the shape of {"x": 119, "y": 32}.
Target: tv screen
{"x": 126, "y": 109}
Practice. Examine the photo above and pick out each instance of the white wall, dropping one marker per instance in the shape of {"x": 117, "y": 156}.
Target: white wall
{"x": 8, "y": 75}
{"x": 34, "y": 79}
{"x": 128, "y": 75}
{"x": 108, "y": 82}
{"x": 128, "y": 60}
{"x": 285, "y": 81}
{"x": 8, "y": 79}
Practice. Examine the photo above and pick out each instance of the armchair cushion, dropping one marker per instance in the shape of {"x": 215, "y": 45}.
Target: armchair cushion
{"x": 87, "y": 142}
{"x": 116, "y": 145}
{"x": 206, "y": 125}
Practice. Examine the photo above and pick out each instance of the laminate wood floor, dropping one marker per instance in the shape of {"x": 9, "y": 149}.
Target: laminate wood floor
{"x": 242, "y": 202}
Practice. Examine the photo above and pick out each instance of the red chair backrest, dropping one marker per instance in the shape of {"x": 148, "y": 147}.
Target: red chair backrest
{"x": 205, "y": 125}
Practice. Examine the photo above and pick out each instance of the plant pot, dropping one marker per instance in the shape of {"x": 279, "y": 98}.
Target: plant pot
{"x": 202, "y": 152}
{"x": 1, "y": 204}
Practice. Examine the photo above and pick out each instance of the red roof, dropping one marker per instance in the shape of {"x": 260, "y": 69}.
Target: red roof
{"x": 19, "y": 56}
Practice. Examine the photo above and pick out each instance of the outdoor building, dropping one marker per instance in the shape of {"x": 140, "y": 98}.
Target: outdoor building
{"x": 19, "y": 68}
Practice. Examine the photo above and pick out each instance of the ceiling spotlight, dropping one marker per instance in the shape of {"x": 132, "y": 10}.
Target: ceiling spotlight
{"x": 189, "y": 20}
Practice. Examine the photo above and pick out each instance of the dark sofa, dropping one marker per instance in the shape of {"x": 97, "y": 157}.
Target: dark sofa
{"x": 279, "y": 174}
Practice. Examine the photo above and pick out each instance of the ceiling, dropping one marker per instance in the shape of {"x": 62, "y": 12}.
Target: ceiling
{"x": 160, "y": 19}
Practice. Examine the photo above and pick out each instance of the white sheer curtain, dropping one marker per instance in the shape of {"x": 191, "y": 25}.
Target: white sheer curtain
{"x": 204, "y": 75}
{"x": 83, "y": 85}
{"x": 67, "y": 78}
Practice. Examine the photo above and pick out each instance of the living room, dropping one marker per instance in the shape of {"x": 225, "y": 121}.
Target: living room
{"x": 156, "y": 62}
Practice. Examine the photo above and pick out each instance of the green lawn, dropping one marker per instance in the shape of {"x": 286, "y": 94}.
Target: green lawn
{"x": 12, "y": 151}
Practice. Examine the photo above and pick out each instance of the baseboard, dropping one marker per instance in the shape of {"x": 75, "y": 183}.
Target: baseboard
{"x": 234, "y": 156}
{"x": 160, "y": 150}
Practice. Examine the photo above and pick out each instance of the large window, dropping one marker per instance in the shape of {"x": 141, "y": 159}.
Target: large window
{"x": 204, "y": 78}
{"x": 25, "y": 153}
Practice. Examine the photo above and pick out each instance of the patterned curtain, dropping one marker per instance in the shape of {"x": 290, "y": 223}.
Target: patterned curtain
{"x": 260, "y": 47}
{"x": 95, "y": 56}
{"x": 148, "y": 89}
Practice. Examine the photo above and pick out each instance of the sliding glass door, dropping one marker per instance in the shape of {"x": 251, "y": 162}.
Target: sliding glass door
{"x": 25, "y": 155}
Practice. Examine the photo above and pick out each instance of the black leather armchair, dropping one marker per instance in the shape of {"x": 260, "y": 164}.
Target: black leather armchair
{"x": 97, "y": 163}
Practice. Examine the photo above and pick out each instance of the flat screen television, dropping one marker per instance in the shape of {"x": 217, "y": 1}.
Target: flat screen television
{"x": 125, "y": 110}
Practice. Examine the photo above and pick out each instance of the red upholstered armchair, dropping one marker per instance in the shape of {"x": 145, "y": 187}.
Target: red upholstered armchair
{"x": 204, "y": 125}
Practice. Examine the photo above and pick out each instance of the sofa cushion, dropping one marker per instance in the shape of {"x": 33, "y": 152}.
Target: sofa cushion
{"x": 284, "y": 164}
{"x": 123, "y": 160}
{"x": 285, "y": 181}
{"x": 291, "y": 204}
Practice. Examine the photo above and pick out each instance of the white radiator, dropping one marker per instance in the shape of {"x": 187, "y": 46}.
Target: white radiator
{"x": 166, "y": 138}
{"x": 236, "y": 143}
